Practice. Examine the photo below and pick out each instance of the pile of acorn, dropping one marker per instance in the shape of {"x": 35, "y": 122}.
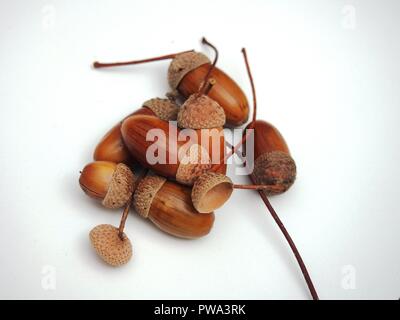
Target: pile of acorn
{"x": 179, "y": 197}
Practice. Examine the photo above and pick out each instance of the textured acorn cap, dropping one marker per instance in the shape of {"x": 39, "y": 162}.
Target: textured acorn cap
{"x": 210, "y": 191}
{"x": 145, "y": 193}
{"x": 182, "y": 64}
{"x": 120, "y": 188}
{"x": 276, "y": 169}
{"x": 109, "y": 246}
{"x": 193, "y": 164}
{"x": 201, "y": 112}
{"x": 164, "y": 109}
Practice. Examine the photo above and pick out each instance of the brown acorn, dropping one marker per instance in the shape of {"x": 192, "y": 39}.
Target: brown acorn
{"x": 183, "y": 163}
{"x": 112, "y": 148}
{"x": 107, "y": 181}
{"x": 186, "y": 74}
{"x": 273, "y": 165}
{"x": 201, "y": 113}
{"x": 169, "y": 206}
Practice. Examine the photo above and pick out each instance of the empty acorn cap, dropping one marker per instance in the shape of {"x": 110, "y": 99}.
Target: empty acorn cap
{"x": 145, "y": 193}
{"x": 193, "y": 164}
{"x": 120, "y": 188}
{"x": 210, "y": 191}
{"x": 276, "y": 169}
{"x": 201, "y": 112}
{"x": 164, "y": 109}
{"x": 109, "y": 246}
{"x": 182, "y": 64}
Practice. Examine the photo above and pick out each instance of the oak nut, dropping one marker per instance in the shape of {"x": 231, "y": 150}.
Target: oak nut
{"x": 273, "y": 164}
{"x": 107, "y": 181}
{"x": 166, "y": 155}
{"x": 112, "y": 148}
{"x": 201, "y": 113}
{"x": 114, "y": 249}
{"x": 186, "y": 74}
{"x": 169, "y": 206}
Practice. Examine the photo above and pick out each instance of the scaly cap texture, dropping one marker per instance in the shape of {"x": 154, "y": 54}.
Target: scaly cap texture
{"x": 164, "y": 109}
{"x": 109, "y": 246}
{"x": 120, "y": 189}
{"x": 182, "y": 64}
{"x": 201, "y": 112}
{"x": 145, "y": 193}
{"x": 276, "y": 169}
{"x": 192, "y": 164}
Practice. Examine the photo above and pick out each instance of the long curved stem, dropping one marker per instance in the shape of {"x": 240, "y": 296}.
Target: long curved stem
{"x": 292, "y": 245}
{"x": 97, "y": 64}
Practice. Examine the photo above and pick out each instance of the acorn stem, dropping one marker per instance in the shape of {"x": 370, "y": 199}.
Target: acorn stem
{"x": 97, "y": 64}
{"x": 211, "y": 83}
{"x": 129, "y": 203}
{"x": 253, "y": 89}
{"x": 233, "y": 150}
{"x": 292, "y": 245}
{"x": 251, "y": 126}
{"x": 205, "y": 83}
{"x": 123, "y": 218}
{"x": 251, "y": 186}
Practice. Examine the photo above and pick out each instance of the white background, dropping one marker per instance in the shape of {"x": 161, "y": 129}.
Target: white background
{"x": 327, "y": 75}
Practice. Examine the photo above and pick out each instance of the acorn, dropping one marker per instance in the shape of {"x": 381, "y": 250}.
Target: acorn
{"x": 186, "y": 74}
{"x": 112, "y": 148}
{"x": 183, "y": 162}
{"x": 273, "y": 165}
{"x": 107, "y": 181}
{"x": 169, "y": 206}
{"x": 201, "y": 113}
{"x": 113, "y": 248}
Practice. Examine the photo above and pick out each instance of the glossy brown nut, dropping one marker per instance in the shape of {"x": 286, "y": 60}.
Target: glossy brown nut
{"x": 173, "y": 212}
{"x": 112, "y": 148}
{"x": 134, "y": 133}
{"x": 225, "y": 91}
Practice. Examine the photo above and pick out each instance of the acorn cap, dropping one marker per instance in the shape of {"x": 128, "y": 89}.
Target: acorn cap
{"x": 164, "y": 109}
{"x": 109, "y": 246}
{"x": 182, "y": 64}
{"x": 210, "y": 191}
{"x": 193, "y": 164}
{"x": 276, "y": 169}
{"x": 145, "y": 193}
{"x": 120, "y": 188}
{"x": 201, "y": 112}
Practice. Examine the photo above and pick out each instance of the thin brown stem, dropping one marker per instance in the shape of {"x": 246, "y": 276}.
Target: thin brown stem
{"x": 211, "y": 83}
{"x": 252, "y": 124}
{"x": 253, "y": 89}
{"x": 97, "y": 64}
{"x": 204, "y": 86}
{"x": 291, "y": 244}
{"x": 129, "y": 203}
{"x": 251, "y": 186}
{"x": 233, "y": 150}
{"x": 123, "y": 218}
